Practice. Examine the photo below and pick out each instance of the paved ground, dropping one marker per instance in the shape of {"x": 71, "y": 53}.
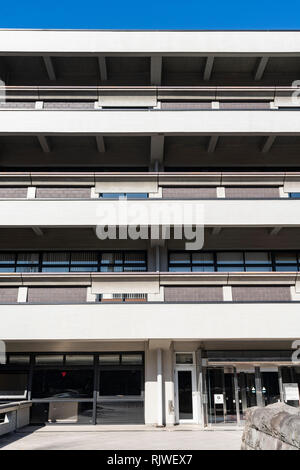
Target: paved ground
{"x": 53, "y": 439}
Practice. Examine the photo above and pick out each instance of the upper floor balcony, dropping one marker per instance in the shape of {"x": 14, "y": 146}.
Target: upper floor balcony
{"x": 168, "y": 58}
{"x": 141, "y": 306}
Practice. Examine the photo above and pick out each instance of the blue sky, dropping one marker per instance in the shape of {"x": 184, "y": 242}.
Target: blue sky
{"x": 153, "y": 14}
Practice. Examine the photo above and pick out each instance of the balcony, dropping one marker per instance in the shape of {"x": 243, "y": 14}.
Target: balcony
{"x": 244, "y": 306}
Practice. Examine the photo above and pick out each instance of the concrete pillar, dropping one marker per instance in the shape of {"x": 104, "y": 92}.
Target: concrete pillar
{"x": 150, "y": 386}
{"x": 159, "y": 382}
{"x": 169, "y": 391}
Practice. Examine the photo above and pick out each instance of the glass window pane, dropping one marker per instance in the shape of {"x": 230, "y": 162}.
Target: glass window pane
{"x": 230, "y": 257}
{"x": 202, "y": 258}
{"x": 7, "y": 270}
{"x": 205, "y": 268}
{"x": 184, "y": 358}
{"x": 180, "y": 269}
{"x": 86, "y": 258}
{"x": 109, "y": 358}
{"x": 294, "y": 195}
{"x": 83, "y": 360}
{"x": 134, "y": 268}
{"x": 136, "y": 195}
{"x": 19, "y": 359}
{"x": 257, "y": 257}
{"x": 132, "y": 359}
{"x": 49, "y": 359}
{"x": 13, "y": 384}
{"x": 230, "y": 269}
{"x": 56, "y": 258}
{"x": 288, "y": 267}
{"x": 136, "y": 258}
{"x": 27, "y": 258}
{"x": 86, "y": 268}
{"x": 57, "y": 269}
{"x": 7, "y": 258}
{"x": 27, "y": 269}
{"x": 63, "y": 384}
{"x": 120, "y": 382}
{"x": 112, "y": 195}
{"x": 258, "y": 268}
{"x": 289, "y": 257}
{"x": 111, "y": 258}
{"x": 180, "y": 258}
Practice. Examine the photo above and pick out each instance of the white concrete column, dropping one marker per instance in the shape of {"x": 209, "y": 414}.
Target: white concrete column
{"x": 159, "y": 388}
{"x": 169, "y": 390}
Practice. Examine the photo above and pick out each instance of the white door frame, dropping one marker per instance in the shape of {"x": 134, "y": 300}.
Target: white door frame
{"x": 191, "y": 368}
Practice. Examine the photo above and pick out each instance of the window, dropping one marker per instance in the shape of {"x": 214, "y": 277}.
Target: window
{"x": 123, "y": 261}
{"x": 120, "y": 382}
{"x": 286, "y": 261}
{"x": 18, "y": 359}
{"x": 60, "y": 383}
{"x": 234, "y": 261}
{"x": 294, "y": 195}
{"x": 184, "y": 358}
{"x": 13, "y": 384}
{"x": 63, "y": 262}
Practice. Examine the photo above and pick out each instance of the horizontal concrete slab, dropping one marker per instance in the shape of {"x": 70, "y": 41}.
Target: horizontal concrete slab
{"x": 211, "y": 321}
{"x": 149, "y": 42}
{"x": 120, "y": 122}
{"x": 90, "y": 213}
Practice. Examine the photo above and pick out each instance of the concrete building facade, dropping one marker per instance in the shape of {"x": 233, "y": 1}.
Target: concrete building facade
{"x": 142, "y": 329}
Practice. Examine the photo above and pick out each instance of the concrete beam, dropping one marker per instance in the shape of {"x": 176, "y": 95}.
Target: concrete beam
{"x": 100, "y": 143}
{"x": 39, "y": 232}
{"x": 260, "y": 68}
{"x": 157, "y": 148}
{"x": 49, "y": 67}
{"x": 208, "y": 68}
{"x": 44, "y": 143}
{"x": 102, "y": 68}
{"x": 212, "y": 144}
{"x": 156, "y": 70}
{"x": 269, "y": 141}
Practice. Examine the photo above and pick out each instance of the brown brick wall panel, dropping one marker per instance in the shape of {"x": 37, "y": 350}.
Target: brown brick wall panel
{"x": 249, "y": 193}
{"x": 186, "y": 193}
{"x": 13, "y": 193}
{"x": 193, "y": 294}
{"x": 63, "y": 193}
{"x": 261, "y": 294}
{"x": 56, "y": 295}
{"x": 8, "y": 295}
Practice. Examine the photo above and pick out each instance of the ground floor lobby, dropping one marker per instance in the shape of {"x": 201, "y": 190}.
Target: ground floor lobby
{"x": 155, "y": 382}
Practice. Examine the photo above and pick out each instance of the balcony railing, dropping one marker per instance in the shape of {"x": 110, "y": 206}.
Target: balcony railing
{"x": 159, "y": 98}
{"x": 196, "y": 185}
{"x": 91, "y": 288}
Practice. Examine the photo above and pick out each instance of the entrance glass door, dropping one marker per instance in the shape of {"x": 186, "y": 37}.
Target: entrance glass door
{"x": 185, "y": 400}
{"x": 246, "y": 391}
{"x": 222, "y": 397}
{"x": 185, "y": 396}
{"x": 270, "y": 386}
